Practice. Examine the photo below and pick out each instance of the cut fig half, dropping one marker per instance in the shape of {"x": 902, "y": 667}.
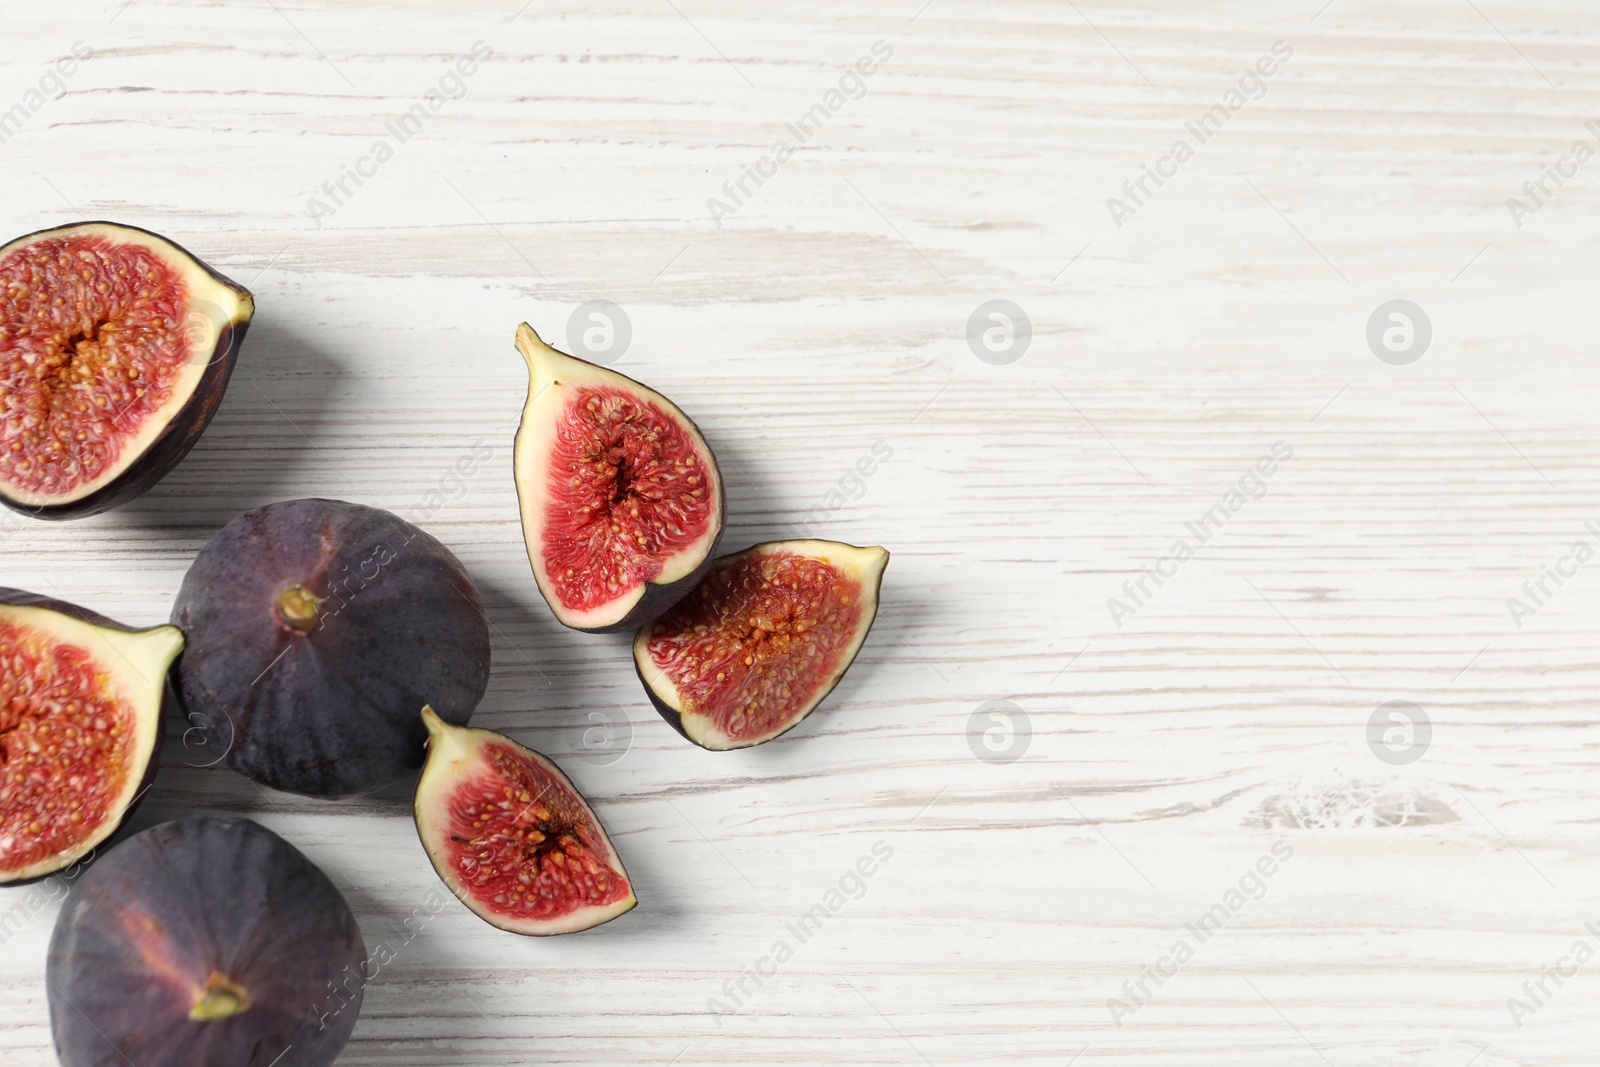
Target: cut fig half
{"x": 512, "y": 838}
{"x": 115, "y": 349}
{"x": 82, "y": 702}
{"x": 761, "y": 641}
{"x": 622, "y": 504}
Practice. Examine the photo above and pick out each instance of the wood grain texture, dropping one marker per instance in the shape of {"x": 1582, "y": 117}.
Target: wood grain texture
{"x": 828, "y": 313}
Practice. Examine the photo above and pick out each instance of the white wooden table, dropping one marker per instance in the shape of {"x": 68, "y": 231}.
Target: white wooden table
{"x": 1159, "y": 747}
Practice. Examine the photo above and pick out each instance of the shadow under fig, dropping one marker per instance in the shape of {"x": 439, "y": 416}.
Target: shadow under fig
{"x": 754, "y": 513}
{"x": 284, "y": 391}
{"x": 538, "y": 663}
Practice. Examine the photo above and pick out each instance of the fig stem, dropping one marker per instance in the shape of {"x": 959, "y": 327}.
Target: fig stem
{"x": 297, "y": 609}
{"x": 221, "y": 999}
{"x": 430, "y": 718}
{"x": 530, "y": 344}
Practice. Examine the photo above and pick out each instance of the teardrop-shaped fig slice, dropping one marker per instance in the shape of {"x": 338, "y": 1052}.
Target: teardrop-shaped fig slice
{"x": 116, "y": 346}
{"x": 316, "y": 629}
{"x": 205, "y": 942}
{"x": 622, "y": 503}
{"x": 761, "y": 641}
{"x": 82, "y": 701}
{"x": 511, "y": 837}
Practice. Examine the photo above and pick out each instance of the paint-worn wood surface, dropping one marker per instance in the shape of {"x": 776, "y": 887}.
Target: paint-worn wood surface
{"x": 1165, "y": 742}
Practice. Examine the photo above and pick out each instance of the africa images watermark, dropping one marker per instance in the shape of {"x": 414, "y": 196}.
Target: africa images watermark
{"x": 737, "y": 993}
{"x": 52, "y": 85}
{"x": 452, "y": 85}
{"x": 1538, "y": 190}
{"x": 851, "y": 485}
{"x": 1538, "y": 991}
{"x": 346, "y": 987}
{"x": 1538, "y": 591}
{"x": 1252, "y": 485}
{"x": 1252, "y": 885}
{"x": 451, "y": 485}
{"x": 40, "y": 896}
{"x": 998, "y": 731}
{"x": 1252, "y": 85}
{"x": 852, "y": 85}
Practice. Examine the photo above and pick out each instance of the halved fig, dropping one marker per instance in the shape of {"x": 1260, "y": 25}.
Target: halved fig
{"x": 763, "y": 639}
{"x": 115, "y": 349}
{"x": 203, "y": 942}
{"x": 622, "y": 503}
{"x": 316, "y": 629}
{"x": 512, "y": 838}
{"x": 82, "y": 706}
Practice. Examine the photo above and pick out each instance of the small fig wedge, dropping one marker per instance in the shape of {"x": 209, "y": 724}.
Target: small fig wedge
{"x": 622, "y": 504}
{"x": 82, "y": 705}
{"x": 511, "y": 837}
{"x": 116, "y": 346}
{"x": 316, "y": 629}
{"x": 763, "y": 639}
{"x": 204, "y": 942}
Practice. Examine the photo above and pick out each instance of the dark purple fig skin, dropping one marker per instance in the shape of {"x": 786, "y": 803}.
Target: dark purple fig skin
{"x": 168, "y": 450}
{"x": 223, "y": 896}
{"x": 671, "y": 714}
{"x": 336, "y": 711}
{"x": 21, "y": 598}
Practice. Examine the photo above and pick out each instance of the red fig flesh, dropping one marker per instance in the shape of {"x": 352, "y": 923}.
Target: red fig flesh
{"x": 761, "y": 641}
{"x": 512, "y": 838}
